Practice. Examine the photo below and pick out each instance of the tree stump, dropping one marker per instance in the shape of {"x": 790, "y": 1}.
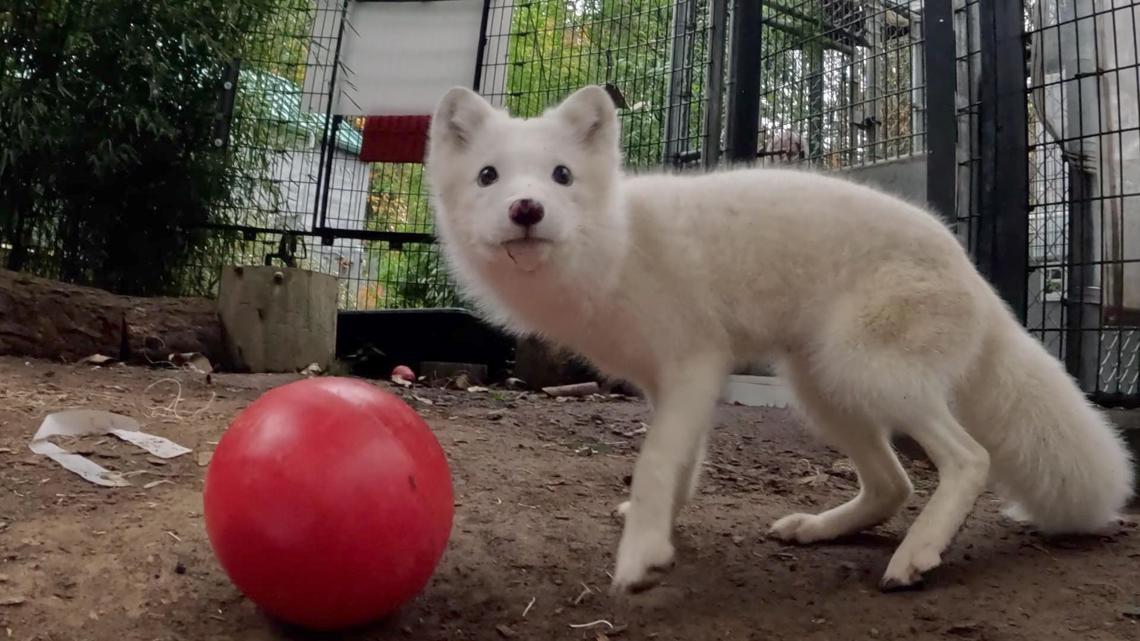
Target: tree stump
{"x": 277, "y": 319}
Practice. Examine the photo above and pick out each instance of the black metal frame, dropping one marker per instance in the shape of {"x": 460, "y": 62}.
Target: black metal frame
{"x": 941, "y": 125}
{"x": 227, "y": 96}
{"x": 333, "y": 123}
{"x": 718, "y": 34}
{"x": 744, "y": 82}
{"x": 1002, "y": 249}
{"x": 320, "y": 226}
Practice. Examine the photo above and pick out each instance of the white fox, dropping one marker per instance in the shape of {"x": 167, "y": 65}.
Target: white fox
{"x": 871, "y": 308}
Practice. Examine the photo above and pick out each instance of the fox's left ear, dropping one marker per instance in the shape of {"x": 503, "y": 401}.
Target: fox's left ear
{"x": 591, "y": 113}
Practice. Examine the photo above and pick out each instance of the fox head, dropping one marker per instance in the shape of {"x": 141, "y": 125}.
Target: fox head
{"x": 517, "y": 196}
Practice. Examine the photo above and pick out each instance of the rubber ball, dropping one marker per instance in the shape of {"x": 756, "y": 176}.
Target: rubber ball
{"x": 328, "y": 502}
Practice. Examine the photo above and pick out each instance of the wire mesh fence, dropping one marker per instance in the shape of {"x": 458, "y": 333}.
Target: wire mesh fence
{"x": 843, "y": 85}
{"x": 649, "y": 54}
{"x": 967, "y": 110}
{"x": 315, "y": 202}
{"x": 843, "y": 81}
{"x": 1084, "y": 155}
{"x": 291, "y": 157}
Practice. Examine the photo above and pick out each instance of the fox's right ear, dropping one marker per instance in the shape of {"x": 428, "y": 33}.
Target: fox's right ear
{"x": 460, "y": 113}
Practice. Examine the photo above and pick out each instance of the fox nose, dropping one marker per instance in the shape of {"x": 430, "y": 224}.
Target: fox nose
{"x": 526, "y": 212}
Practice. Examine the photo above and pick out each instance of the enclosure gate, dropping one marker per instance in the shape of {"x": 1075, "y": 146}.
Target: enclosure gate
{"x": 1015, "y": 121}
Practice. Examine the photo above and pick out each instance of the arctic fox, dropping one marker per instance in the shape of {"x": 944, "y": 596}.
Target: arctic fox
{"x": 872, "y": 309}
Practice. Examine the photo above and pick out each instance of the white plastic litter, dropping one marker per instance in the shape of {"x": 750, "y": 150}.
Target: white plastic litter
{"x": 95, "y": 422}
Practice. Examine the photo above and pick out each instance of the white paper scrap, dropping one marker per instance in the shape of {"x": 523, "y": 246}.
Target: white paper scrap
{"x": 95, "y": 422}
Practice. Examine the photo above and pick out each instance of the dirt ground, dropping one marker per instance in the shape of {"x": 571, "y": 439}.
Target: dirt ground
{"x": 535, "y": 484}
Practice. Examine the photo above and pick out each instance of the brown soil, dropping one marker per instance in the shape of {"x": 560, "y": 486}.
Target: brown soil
{"x": 535, "y": 482}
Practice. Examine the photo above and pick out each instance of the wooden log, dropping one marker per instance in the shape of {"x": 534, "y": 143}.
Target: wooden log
{"x": 575, "y": 389}
{"x": 42, "y": 318}
{"x": 159, "y": 327}
{"x": 45, "y": 319}
{"x": 540, "y": 364}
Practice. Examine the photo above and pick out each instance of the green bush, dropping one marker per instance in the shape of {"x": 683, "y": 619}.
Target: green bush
{"x": 107, "y": 115}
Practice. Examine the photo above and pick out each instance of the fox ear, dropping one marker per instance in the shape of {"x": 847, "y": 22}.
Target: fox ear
{"x": 458, "y": 116}
{"x": 592, "y": 114}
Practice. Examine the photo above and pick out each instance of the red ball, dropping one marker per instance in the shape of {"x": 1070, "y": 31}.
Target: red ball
{"x": 404, "y": 372}
{"x": 328, "y": 502}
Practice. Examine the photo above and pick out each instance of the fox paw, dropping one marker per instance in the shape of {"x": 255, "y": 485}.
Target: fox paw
{"x": 908, "y": 565}
{"x": 641, "y": 564}
{"x": 800, "y": 528}
{"x": 621, "y": 510}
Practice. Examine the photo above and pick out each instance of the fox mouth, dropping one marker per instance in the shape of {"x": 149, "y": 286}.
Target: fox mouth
{"x": 528, "y": 253}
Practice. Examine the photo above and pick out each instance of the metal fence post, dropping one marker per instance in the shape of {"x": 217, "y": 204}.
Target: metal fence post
{"x": 1084, "y": 324}
{"x": 744, "y": 79}
{"x": 714, "y": 84}
{"x": 1002, "y": 251}
{"x": 329, "y": 131}
{"x": 679, "y": 96}
{"x": 941, "y": 118}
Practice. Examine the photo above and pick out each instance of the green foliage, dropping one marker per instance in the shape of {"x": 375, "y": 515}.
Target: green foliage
{"x": 559, "y": 46}
{"x": 413, "y": 275}
{"x": 415, "y": 278}
{"x": 107, "y": 154}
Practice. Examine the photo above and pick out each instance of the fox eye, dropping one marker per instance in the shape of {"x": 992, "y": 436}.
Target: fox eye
{"x": 487, "y": 176}
{"x": 562, "y": 175}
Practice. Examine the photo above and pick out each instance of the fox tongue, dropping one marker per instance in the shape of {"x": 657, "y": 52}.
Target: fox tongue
{"x": 527, "y": 255}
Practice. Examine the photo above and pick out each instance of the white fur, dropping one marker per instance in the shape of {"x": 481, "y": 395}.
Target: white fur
{"x": 876, "y": 314}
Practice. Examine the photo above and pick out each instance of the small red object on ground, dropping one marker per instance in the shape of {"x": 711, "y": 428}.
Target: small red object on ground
{"x": 404, "y": 372}
{"x": 328, "y": 502}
